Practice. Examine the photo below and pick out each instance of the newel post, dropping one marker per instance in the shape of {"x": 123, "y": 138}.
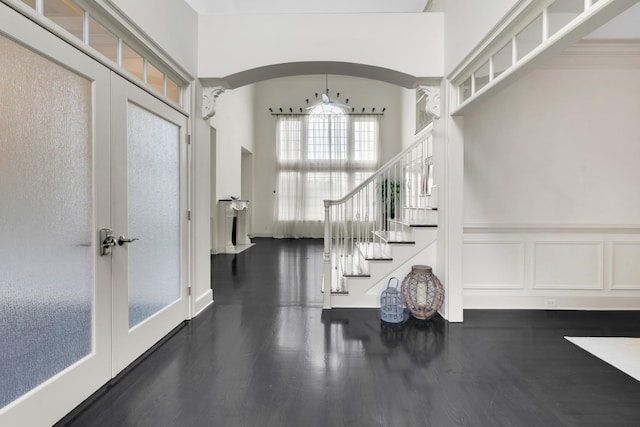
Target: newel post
{"x": 326, "y": 271}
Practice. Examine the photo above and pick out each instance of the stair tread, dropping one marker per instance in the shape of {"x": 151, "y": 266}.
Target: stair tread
{"x": 395, "y": 237}
{"x": 414, "y": 223}
{"x": 373, "y": 251}
{"x": 420, "y": 209}
{"x": 351, "y": 263}
{"x": 355, "y": 275}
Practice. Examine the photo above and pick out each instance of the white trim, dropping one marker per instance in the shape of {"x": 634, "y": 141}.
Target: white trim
{"x": 610, "y": 54}
{"x": 146, "y": 45}
{"x": 486, "y": 46}
{"x": 203, "y": 302}
{"x": 108, "y": 9}
{"x": 553, "y": 228}
{"x": 563, "y": 302}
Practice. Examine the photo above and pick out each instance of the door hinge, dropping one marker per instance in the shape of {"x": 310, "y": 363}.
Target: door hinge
{"x": 188, "y": 215}
{"x": 189, "y": 290}
{"x": 188, "y": 139}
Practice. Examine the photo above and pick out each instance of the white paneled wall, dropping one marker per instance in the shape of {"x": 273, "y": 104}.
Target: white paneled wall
{"x": 551, "y": 207}
{"x": 625, "y": 264}
{"x": 569, "y": 264}
{"x": 494, "y": 264}
{"x": 561, "y": 268}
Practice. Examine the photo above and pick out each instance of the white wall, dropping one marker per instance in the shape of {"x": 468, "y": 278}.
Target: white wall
{"x": 466, "y": 23}
{"x": 233, "y": 122}
{"x": 234, "y": 130}
{"x": 174, "y": 26}
{"x": 559, "y": 147}
{"x": 552, "y": 211}
{"x": 293, "y": 91}
{"x": 410, "y": 43}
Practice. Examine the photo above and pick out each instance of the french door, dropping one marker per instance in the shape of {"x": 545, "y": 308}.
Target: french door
{"x": 81, "y": 150}
{"x": 149, "y": 185}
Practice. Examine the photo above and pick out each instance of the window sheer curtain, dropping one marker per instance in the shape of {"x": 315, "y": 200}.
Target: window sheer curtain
{"x": 323, "y": 155}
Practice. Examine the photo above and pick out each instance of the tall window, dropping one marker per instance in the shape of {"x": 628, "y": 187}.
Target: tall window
{"x": 323, "y": 155}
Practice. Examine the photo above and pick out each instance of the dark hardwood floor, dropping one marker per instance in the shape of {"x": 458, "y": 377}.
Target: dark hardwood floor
{"x": 265, "y": 354}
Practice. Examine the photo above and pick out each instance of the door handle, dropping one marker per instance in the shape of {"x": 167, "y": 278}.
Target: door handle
{"x": 122, "y": 240}
{"x": 106, "y": 241}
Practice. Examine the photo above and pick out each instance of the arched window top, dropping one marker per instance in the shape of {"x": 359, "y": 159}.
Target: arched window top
{"x": 329, "y": 108}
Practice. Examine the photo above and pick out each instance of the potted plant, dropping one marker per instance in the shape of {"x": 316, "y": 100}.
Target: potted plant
{"x": 389, "y": 195}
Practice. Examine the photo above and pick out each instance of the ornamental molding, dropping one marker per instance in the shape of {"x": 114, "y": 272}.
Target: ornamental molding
{"x": 612, "y": 53}
{"x": 209, "y": 97}
{"x": 432, "y": 100}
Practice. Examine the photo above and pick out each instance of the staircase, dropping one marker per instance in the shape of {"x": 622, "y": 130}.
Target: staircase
{"x": 385, "y": 225}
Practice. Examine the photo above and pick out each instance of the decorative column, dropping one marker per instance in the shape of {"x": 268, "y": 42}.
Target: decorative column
{"x": 209, "y": 97}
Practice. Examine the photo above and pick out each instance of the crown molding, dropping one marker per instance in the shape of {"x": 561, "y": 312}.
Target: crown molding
{"x": 609, "y": 53}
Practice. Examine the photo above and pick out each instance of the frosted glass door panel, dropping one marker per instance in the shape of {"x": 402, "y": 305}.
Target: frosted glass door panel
{"x": 153, "y": 160}
{"x": 46, "y": 219}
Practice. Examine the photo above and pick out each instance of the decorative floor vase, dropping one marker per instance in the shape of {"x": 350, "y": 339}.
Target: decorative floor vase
{"x": 422, "y": 292}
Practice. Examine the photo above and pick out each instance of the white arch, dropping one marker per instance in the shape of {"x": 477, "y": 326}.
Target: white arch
{"x": 273, "y": 71}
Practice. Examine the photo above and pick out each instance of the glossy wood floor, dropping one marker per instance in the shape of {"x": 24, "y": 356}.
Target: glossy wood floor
{"x": 266, "y": 355}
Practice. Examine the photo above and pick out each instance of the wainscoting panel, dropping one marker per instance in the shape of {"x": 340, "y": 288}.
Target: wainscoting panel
{"x": 494, "y": 265}
{"x": 552, "y": 267}
{"x": 568, "y": 265}
{"x": 625, "y": 265}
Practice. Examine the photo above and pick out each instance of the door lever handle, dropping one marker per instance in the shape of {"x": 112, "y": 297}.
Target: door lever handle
{"x": 122, "y": 240}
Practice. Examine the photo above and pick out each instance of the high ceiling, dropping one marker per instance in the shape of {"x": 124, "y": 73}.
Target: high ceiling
{"x": 252, "y": 7}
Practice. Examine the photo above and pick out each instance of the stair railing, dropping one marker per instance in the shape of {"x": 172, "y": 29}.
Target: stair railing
{"x": 357, "y": 226}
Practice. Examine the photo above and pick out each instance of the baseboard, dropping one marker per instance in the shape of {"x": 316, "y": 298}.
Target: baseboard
{"x": 552, "y": 302}
{"x": 202, "y": 302}
{"x": 268, "y": 235}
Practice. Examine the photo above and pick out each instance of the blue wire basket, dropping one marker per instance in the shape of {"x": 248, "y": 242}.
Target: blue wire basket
{"x": 391, "y": 304}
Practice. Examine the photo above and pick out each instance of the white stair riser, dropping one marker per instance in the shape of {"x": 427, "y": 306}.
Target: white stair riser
{"x": 365, "y": 292}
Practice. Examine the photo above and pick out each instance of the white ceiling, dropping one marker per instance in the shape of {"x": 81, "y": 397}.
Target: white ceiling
{"x": 252, "y": 7}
